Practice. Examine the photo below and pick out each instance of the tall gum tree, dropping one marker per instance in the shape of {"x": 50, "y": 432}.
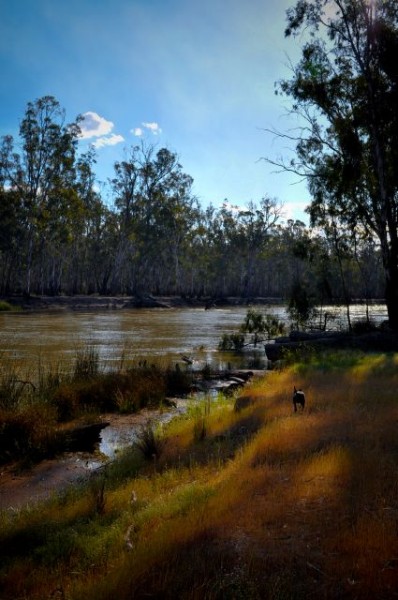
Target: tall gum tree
{"x": 345, "y": 87}
{"x": 42, "y": 175}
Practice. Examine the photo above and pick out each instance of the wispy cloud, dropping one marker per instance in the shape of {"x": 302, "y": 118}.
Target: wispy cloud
{"x": 110, "y": 140}
{"x": 151, "y": 127}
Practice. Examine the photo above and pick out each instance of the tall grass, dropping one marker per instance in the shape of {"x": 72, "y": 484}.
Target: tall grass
{"x": 269, "y": 504}
{"x": 34, "y": 407}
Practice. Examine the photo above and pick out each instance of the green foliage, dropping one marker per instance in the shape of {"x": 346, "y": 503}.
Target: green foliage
{"x": 346, "y": 92}
{"x": 258, "y": 324}
{"x": 6, "y": 306}
{"x": 201, "y": 415}
{"x": 232, "y": 341}
{"x": 57, "y": 235}
{"x": 13, "y": 389}
{"x": 97, "y": 489}
{"x": 261, "y": 327}
{"x": 30, "y": 413}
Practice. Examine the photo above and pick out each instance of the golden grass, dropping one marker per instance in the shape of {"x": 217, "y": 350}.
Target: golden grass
{"x": 269, "y": 504}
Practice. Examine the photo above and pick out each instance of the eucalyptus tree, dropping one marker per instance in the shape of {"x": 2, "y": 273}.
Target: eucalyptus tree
{"x": 42, "y": 176}
{"x": 156, "y": 207}
{"x": 345, "y": 87}
{"x": 11, "y": 236}
{"x": 244, "y": 235}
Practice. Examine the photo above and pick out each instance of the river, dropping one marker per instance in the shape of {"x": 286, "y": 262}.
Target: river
{"x": 56, "y": 337}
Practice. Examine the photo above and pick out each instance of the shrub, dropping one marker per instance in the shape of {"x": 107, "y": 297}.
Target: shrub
{"x": 363, "y": 326}
{"x": 149, "y": 442}
{"x": 178, "y": 381}
{"x": 29, "y": 433}
{"x": 6, "y": 306}
{"x": 259, "y": 324}
{"x": 301, "y": 306}
{"x": 232, "y": 341}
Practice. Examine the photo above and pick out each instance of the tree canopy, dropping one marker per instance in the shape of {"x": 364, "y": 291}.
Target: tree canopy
{"x": 151, "y": 236}
{"x": 345, "y": 88}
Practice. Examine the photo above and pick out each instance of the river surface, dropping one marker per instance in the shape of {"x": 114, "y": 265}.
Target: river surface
{"x": 125, "y": 335}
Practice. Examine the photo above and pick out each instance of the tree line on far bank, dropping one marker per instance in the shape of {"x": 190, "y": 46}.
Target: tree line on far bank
{"x": 58, "y": 235}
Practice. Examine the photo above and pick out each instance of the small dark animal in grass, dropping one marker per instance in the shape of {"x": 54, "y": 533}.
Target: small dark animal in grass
{"x": 298, "y": 398}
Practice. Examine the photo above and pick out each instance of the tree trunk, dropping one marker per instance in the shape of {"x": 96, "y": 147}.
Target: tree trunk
{"x": 392, "y": 294}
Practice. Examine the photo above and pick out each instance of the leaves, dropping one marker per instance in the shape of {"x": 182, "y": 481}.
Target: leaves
{"x": 345, "y": 88}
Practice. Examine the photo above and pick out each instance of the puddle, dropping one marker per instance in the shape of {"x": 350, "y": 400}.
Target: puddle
{"x": 123, "y": 429}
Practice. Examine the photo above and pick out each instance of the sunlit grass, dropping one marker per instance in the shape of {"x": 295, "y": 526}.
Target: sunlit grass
{"x": 267, "y": 504}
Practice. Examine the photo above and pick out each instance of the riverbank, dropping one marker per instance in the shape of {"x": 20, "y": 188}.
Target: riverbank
{"x": 257, "y": 503}
{"x": 24, "y": 486}
{"x": 97, "y": 302}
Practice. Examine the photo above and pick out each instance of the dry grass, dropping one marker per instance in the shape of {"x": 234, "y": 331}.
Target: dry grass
{"x": 268, "y": 504}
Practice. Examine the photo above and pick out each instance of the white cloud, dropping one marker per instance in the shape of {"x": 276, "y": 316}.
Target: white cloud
{"x": 110, "y": 140}
{"x": 152, "y": 127}
{"x": 93, "y": 125}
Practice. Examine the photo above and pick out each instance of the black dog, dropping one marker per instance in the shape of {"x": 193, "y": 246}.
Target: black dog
{"x": 298, "y": 398}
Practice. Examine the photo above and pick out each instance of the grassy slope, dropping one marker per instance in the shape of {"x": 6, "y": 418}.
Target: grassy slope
{"x": 268, "y": 504}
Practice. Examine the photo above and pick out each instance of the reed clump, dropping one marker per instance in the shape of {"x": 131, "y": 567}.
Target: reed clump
{"x": 268, "y": 504}
{"x": 34, "y": 407}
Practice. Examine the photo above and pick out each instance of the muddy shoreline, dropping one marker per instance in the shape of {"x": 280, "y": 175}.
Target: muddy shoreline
{"x": 98, "y": 302}
{"x": 22, "y": 489}
{"x": 28, "y": 487}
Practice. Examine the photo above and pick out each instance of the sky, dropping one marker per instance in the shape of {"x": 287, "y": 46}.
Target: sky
{"x": 196, "y": 77}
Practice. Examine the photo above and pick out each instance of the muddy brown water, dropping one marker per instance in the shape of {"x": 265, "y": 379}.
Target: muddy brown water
{"x": 117, "y": 335}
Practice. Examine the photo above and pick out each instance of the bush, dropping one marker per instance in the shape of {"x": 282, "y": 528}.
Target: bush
{"x": 6, "y": 306}
{"x": 149, "y": 442}
{"x": 301, "y": 306}
{"x": 27, "y": 434}
{"x": 363, "y": 326}
{"x": 178, "y": 381}
{"x": 232, "y": 341}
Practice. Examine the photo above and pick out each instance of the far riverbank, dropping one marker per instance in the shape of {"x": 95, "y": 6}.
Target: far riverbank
{"x": 93, "y": 302}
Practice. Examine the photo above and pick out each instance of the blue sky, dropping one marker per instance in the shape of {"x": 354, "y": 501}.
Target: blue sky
{"x": 196, "y": 77}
